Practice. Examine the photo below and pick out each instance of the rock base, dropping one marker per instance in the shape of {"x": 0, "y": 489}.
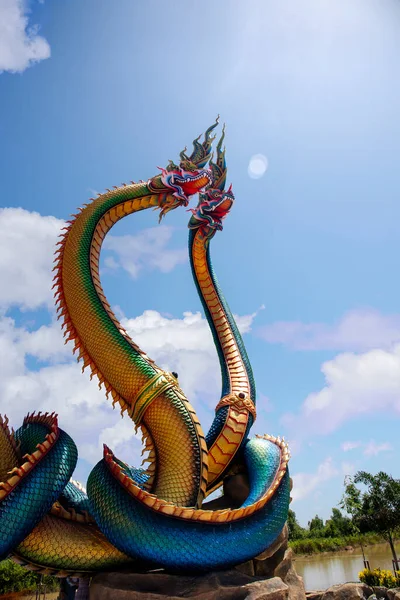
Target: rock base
{"x": 226, "y": 585}
{"x": 270, "y": 576}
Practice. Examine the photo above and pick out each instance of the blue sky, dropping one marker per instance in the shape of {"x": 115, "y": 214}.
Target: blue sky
{"x": 95, "y": 93}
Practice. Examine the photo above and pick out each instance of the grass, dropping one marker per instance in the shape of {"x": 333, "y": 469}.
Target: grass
{"x": 317, "y": 545}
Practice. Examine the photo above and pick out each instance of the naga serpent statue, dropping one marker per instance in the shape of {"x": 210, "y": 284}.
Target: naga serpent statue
{"x": 158, "y": 514}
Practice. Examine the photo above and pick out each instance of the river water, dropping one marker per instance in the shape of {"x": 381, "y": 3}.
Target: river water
{"x": 320, "y": 571}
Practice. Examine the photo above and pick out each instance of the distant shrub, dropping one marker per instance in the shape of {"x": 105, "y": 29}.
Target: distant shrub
{"x": 313, "y": 545}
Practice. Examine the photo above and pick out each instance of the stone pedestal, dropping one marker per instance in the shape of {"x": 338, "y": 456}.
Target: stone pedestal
{"x": 270, "y": 576}
{"x": 226, "y": 585}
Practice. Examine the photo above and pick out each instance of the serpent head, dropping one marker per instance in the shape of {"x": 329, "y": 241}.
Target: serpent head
{"x": 190, "y": 177}
{"x": 214, "y": 204}
{"x": 185, "y": 181}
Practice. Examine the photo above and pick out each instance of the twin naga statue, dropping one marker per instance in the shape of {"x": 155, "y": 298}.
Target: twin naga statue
{"x": 157, "y": 515}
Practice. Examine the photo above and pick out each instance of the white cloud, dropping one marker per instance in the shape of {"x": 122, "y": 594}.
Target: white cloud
{"x": 346, "y": 446}
{"x": 110, "y": 263}
{"x": 62, "y": 388}
{"x": 356, "y": 384}
{"x": 305, "y": 484}
{"x": 27, "y": 244}
{"x": 12, "y": 359}
{"x": 373, "y": 448}
{"x": 120, "y": 436}
{"x": 20, "y": 44}
{"x": 46, "y": 344}
{"x": 357, "y": 330}
{"x": 148, "y": 248}
{"x": 245, "y": 322}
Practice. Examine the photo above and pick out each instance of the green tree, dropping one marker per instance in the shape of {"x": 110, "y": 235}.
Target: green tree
{"x": 338, "y": 525}
{"x": 296, "y": 532}
{"x": 14, "y": 578}
{"x": 377, "y": 507}
{"x": 316, "y": 527}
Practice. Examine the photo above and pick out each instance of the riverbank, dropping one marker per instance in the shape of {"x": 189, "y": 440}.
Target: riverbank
{"x": 324, "y": 569}
{"x": 319, "y": 545}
